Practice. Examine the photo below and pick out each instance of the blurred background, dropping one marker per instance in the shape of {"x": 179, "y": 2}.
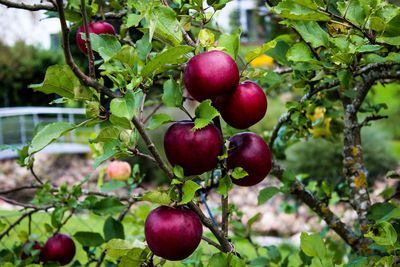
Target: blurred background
{"x": 31, "y": 43}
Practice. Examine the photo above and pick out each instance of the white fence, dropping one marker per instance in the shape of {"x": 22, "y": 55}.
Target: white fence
{"x": 17, "y": 126}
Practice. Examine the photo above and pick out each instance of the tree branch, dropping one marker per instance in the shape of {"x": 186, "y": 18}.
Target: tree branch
{"x": 286, "y": 116}
{"x": 30, "y": 7}
{"x": 70, "y": 61}
{"x": 225, "y": 215}
{"x": 88, "y": 42}
{"x": 152, "y": 148}
{"x": 320, "y": 208}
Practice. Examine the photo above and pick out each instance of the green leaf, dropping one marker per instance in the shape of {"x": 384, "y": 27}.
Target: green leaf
{"x": 251, "y": 55}
{"x": 383, "y": 234}
{"x": 299, "y": 52}
{"x": 56, "y": 216}
{"x": 48, "y": 134}
{"x": 254, "y": 219}
{"x": 109, "y": 150}
{"x": 178, "y": 172}
{"x": 230, "y": 43}
{"x": 166, "y": 27}
{"x": 115, "y": 248}
{"x": 158, "y": 197}
{"x": 224, "y": 186}
{"x": 205, "y": 113}
{"x": 106, "y": 45}
{"x": 108, "y": 206}
{"x": 113, "y": 229}
{"x": 355, "y": 10}
{"x": 172, "y": 55}
{"x": 124, "y": 107}
{"x": 112, "y": 185}
{"x": 218, "y": 259}
{"x": 89, "y": 239}
{"x": 266, "y": 194}
{"x": 313, "y": 245}
{"x": 299, "y": 10}
{"x": 107, "y": 134}
{"x": 132, "y": 20}
{"x": 311, "y": 32}
{"x": 134, "y": 258}
{"x": 60, "y": 80}
{"x": 239, "y": 173}
{"x": 159, "y": 119}
{"x": 173, "y": 95}
{"x": 379, "y": 210}
{"x": 189, "y": 190}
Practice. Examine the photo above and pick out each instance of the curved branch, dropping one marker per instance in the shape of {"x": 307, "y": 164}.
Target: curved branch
{"x": 30, "y": 7}
{"x": 320, "y": 208}
{"x": 70, "y": 61}
{"x": 286, "y": 116}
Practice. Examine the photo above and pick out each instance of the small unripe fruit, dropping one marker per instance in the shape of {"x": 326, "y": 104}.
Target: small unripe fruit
{"x": 245, "y": 107}
{"x": 29, "y": 247}
{"x": 211, "y": 74}
{"x": 59, "y": 248}
{"x": 195, "y": 151}
{"x": 99, "y": 27}
{"x": 119, "y": 170}
{"x": 173, "y": 233}
{"x": 249, "y": 151}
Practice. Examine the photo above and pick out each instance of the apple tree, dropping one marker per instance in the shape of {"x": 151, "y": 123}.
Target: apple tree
{"x": 332, "y": 56}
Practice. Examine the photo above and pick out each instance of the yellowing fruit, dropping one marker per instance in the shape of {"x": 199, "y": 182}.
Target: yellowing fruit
{"x": 119, "y": 170}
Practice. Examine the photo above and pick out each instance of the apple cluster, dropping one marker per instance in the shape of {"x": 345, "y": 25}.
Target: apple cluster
{"x": 59, "y": 248}
{"x": 175, "y": 233}
{"x": 215, "y": 75}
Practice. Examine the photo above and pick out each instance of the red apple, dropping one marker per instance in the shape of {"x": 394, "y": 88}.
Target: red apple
{"x": 249, "y": 151}
{"x": 211, "y": 74}
{"x": 173, "y": 233}
{"x": 245, "y": 107}
{"x": 99, "y": 27}
{"x": 59, "y": 248}
{"x": 195, "y": 151}
{"x": 28, "y": 247}
{"x": 119, "y": 170}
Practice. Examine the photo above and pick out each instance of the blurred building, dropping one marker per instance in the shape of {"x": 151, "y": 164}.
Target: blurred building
{"x": 248, "y": 15}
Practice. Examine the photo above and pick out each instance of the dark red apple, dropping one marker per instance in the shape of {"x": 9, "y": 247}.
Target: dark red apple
{"x": 249, "y": 151}
{"x": 195, "y": 151}
{"x": 98, "y": 27}
{"x": 59, "y": 248}
{"x": 245, "y": 107}
{"x": 173, "y": 233}
{"x": 28, "y": 247}
{"x": 211, "y": 74}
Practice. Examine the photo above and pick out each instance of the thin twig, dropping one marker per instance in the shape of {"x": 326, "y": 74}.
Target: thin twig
{"x": 142, "y": 107}
{"x": 225, "y": 215}
{"x": 211, "y": 242}
{"x": 88, "y": 42}
{"x": 34, "y": 175}
{"x": 152, "y": 112}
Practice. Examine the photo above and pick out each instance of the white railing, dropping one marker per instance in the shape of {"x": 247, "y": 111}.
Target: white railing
{"x": 17, "y": 125}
